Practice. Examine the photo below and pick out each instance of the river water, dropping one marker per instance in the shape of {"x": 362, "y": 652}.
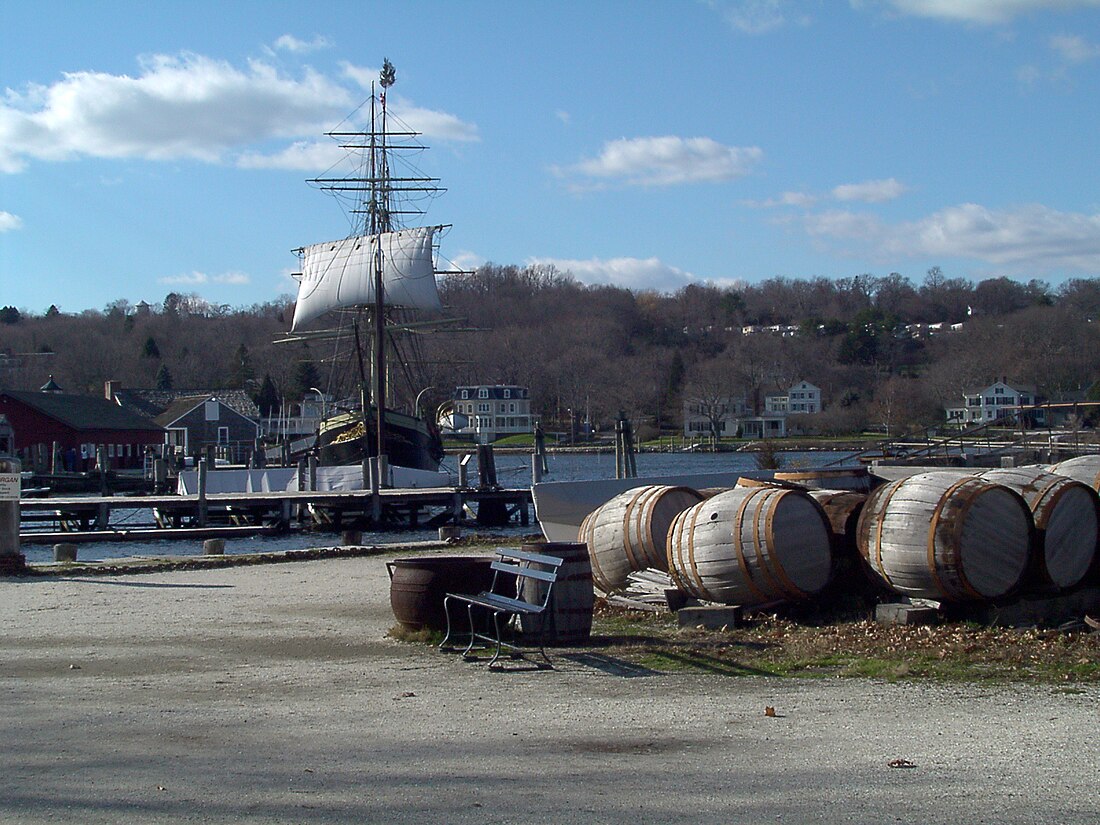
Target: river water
{"x": 512, "y": 471}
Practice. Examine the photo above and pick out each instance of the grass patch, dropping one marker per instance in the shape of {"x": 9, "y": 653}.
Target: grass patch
{"x": 848, "y": 646}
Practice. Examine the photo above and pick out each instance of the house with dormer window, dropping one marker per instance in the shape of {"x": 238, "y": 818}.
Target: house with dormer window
{"x": 486, "y": 412}
{"x": 998, "y": 401}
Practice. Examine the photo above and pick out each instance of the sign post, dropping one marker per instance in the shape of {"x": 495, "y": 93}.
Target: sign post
{"x": 11, "y": 560}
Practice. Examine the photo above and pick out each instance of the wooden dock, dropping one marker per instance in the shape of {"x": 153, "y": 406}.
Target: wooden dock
{"x": 46, "y": 520}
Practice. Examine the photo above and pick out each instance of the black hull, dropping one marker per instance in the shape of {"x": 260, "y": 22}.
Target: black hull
{"x": 410, "y": 442}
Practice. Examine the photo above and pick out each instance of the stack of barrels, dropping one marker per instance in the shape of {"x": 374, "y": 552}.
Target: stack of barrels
{"x": 947, "y": 535}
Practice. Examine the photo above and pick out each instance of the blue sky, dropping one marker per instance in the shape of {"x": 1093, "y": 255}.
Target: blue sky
{"x": 153, "y": 147}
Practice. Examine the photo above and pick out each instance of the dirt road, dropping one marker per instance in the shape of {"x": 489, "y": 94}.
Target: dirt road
{"x": 272, "y": 694}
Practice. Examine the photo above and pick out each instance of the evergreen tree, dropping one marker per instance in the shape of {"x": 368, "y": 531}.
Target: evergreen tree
{"x": 243, "y": 372}
{"x": 164, "y": 378}
{"x": 267, "y": 399}
{"x": 150, "y": 348}
{"x": 306, "y": 376}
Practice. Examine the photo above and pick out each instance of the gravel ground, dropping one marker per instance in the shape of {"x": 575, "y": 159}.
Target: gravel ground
{"x": 272, "y": 694}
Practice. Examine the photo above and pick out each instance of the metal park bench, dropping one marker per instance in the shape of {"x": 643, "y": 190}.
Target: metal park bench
{"x": 504, "y": 602}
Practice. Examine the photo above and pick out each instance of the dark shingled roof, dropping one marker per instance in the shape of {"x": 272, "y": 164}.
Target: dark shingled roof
{"x": 155, "y": 403}
{"x": 82, "y": 412}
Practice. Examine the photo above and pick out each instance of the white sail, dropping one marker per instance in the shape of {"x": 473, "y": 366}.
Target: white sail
{"x": 342, "y": 273}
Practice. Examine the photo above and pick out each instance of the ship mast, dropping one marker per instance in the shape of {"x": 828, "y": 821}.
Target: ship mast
{"x": 380, "y": 222}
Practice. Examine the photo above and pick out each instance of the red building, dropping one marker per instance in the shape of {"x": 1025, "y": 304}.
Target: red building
{"x": 79, "y": 425}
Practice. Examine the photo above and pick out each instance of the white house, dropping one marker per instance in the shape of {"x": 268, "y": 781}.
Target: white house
{"x": 998, "y": 400}
{"x": 486, "y": 412}
{"x": 721, "y": 413}
{"x": 732, "y": 418}
{"x": 804, "y": 397}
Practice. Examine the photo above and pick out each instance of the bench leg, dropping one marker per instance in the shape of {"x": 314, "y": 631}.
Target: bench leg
{"x": 466, "y": 654}
{"x": 446, "y": 644}
{"x": 496, "y": 627}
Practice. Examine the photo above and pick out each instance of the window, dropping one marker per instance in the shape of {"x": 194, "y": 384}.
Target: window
{"x": 483, "y": 392}
{"x": 512, "y": 407}
{"x": 223, "y": 435}
{"x": 507, "y": 393}
{"x": 465, "y": 394}
{"x": 483, "y": 408}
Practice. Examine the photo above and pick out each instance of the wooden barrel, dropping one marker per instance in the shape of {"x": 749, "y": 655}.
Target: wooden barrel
{"x": 855, "y": 478}
{"x": 1066, "y": 519}
{"x": 938, "y": 536}
{"x": 570, "y": 610}
{"x": 1085, "y": 469}
{"x": 751, "y": 546}
{"x": 842, "y": 509}
{"x": 419, "y": 585}
{"x": 630, "y": 532}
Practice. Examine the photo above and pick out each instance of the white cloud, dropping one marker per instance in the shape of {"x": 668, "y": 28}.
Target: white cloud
{"x": 870, "y": 191}
{"x": 803, "y": 199}
{"x": 631, "y": 273}
{"x": 984, "y": 12}
{"x": 186, "y": 107}
{"x": 10, "y": 222}
{"x": 1074, "y": 49}
{"x": 308, "y": 155}
{"x": 178, "y": 107}
{"x": 1030, "y": 238}
{"x": 758, "y": 16}
{"x": 665, "y": 161}
{"x": 290, "y": 43}
{"x": 197, "y": 278}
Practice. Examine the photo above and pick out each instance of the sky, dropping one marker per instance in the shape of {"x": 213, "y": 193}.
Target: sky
{"x": 157, "y": 147}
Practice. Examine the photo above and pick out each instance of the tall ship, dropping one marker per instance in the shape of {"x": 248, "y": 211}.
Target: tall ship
{"x": 372, "y": 291}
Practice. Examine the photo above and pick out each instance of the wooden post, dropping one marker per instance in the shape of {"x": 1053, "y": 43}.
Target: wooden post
{"x": 11, "y": 560}
{"x": 464, "y": 470}
{"x": 303, "y": 478}
{"x": 486, "y": 467}
{"x": 536, "y": 469}
{"x": 202, "y": 493}
{"x": 312, "y": 464}
{"x": 376, "y": 467}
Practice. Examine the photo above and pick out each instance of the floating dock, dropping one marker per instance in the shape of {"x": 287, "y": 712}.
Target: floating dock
{"x": 47, "y": 520}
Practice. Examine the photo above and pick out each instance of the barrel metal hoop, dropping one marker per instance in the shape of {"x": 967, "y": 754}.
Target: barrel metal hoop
{"x": 626, "y": 533}
{"x": 699, "y": 586}
{"x": 597, "y": 571}
{"x": 878, "y": 530}
{"x": 1043, "y": 507}
{"x": 778, "y": 574}
{"x": 675, "y": 534}
{"x": 738, "y": 544}
{"x": 647, "y": 502}
{"x": 964, "y": 507}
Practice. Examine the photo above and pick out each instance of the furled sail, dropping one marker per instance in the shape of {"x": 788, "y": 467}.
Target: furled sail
{"x": 341, "y": 274}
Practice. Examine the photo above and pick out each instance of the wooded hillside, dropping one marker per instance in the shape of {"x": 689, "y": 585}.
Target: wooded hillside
{"x": 601, "y": 349}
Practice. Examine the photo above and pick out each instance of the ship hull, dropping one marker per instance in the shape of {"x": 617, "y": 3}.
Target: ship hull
{"x": 409, "y": 441}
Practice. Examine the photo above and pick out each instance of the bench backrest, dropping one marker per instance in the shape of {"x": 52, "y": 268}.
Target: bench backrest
{"x": 525, "y": 566}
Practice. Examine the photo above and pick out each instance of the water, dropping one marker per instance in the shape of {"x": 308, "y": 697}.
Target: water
{"x": 512, "y": 471}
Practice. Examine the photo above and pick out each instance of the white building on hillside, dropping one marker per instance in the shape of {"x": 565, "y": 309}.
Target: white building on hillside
{"x": 486, "y": 412}
{"x": 998, "y": 400}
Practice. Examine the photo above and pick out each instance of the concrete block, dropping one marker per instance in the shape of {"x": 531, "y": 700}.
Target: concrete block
{"x": 64, "y": 552}
{"x": 905, "y": 614}
{"x": 213, "y": 547}
{"x": 712, "y": 617}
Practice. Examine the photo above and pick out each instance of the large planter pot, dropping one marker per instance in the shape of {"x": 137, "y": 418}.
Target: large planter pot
{"x": 419, "y": 585}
